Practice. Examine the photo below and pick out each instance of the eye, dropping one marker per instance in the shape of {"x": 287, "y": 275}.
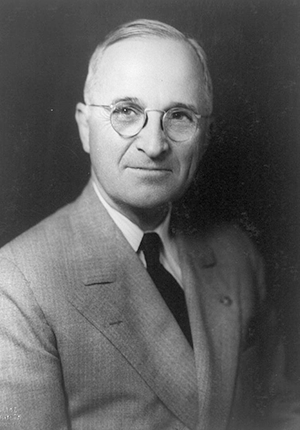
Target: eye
{"x": 123, "y": 110}
{"x": 180, "y": 115}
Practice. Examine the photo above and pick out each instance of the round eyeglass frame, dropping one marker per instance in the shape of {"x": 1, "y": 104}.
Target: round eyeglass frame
{"x": 145, "y": 111}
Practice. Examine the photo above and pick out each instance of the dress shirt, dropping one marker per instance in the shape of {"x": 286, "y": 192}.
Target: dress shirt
{"x": 133, "y": 234}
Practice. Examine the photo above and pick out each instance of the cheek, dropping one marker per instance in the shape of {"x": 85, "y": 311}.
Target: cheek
{"x": 190, "y": 160}
{"x": 197, "y": 151}
{"x": 107, "y": 149}
{"x": 99, "y": 152}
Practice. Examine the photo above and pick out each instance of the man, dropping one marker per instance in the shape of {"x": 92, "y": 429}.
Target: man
{"x": 88, "y": 338}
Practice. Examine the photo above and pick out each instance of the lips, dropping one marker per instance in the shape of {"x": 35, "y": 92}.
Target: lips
{"x": 150, "y": 169}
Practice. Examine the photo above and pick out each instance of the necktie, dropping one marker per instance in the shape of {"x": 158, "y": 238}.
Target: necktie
{"x": 166, "y": 284}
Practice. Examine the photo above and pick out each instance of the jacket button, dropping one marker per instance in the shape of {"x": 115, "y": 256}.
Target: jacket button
{"x": 226, "y": 300}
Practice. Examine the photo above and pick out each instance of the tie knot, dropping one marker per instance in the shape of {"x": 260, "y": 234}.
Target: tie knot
{"x": 151, "y": 245}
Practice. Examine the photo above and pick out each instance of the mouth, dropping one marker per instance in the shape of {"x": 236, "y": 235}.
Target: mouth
{"x": 150, "y": 169}
{"x": 151, "y": 173}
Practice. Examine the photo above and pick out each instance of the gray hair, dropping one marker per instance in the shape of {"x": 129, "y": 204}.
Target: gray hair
{"x": 145, "y": 28}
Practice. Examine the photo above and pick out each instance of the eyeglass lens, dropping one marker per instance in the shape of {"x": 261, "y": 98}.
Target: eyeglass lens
{"x": 178, "y": 123}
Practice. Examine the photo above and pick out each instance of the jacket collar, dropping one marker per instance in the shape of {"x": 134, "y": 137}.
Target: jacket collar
{"x": 213, "y": 289}
{"x": 116, "y": 295}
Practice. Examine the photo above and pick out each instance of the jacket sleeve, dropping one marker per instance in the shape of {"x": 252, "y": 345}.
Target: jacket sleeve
{"x": 31, "y": 382}
{"x": 278, "y": 398}
{"x": 282, "y": 406}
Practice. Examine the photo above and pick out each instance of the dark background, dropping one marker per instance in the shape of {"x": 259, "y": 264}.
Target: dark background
{"x": 251, "y": 170}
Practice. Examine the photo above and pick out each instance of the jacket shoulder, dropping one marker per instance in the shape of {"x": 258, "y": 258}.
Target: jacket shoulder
{"x": 47, "y": 233}
{"x": 56, "y": 232}
{"x": 227, "y": 241}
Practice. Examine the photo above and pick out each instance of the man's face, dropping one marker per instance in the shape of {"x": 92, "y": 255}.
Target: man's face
{"x": 149, "y": 170}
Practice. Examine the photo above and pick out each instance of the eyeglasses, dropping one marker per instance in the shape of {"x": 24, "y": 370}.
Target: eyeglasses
{"x": 128, "y": 119}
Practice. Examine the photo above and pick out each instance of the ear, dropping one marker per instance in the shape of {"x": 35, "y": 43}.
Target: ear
{"x": 81, "y": 116}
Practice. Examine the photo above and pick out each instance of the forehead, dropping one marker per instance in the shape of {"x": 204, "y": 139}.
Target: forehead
{"x": 141, "y": 67}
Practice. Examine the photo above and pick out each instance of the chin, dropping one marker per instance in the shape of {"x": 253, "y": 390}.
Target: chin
{"x": 150, "y": 205}
{"x": 152, "y": 202}
{"x": 150, "y": 198}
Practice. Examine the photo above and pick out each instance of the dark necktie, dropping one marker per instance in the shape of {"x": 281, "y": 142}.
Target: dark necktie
{"x": 166, "y": 284}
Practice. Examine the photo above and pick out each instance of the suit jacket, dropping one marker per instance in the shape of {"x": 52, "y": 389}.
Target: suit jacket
{"x": 88, "y": 343}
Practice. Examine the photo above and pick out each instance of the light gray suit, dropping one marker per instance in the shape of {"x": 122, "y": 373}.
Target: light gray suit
{"x": 88, "y": 343}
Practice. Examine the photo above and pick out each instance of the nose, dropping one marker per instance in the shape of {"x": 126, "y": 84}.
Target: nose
{"x": 152, "y": 139}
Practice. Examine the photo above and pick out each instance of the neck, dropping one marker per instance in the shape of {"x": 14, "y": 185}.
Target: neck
{"x": 147, "y": 219}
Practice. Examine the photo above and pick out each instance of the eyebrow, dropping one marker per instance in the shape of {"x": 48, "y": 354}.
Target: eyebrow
{"x": 184, "y": 105}
{"x": 134, "y": 100}
{"x": 137, "y": 101}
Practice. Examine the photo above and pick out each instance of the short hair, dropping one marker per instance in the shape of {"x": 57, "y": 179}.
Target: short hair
{"x": 145, "y": 28}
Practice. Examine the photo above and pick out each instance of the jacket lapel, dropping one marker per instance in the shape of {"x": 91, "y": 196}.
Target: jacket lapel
{"x": 116, "y": 295}
{"x": 214, "y": 316}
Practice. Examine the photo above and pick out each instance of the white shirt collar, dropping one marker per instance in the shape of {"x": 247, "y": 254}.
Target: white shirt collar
{"x": 131, "y": 231}
{"x": 133, "y": 234}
